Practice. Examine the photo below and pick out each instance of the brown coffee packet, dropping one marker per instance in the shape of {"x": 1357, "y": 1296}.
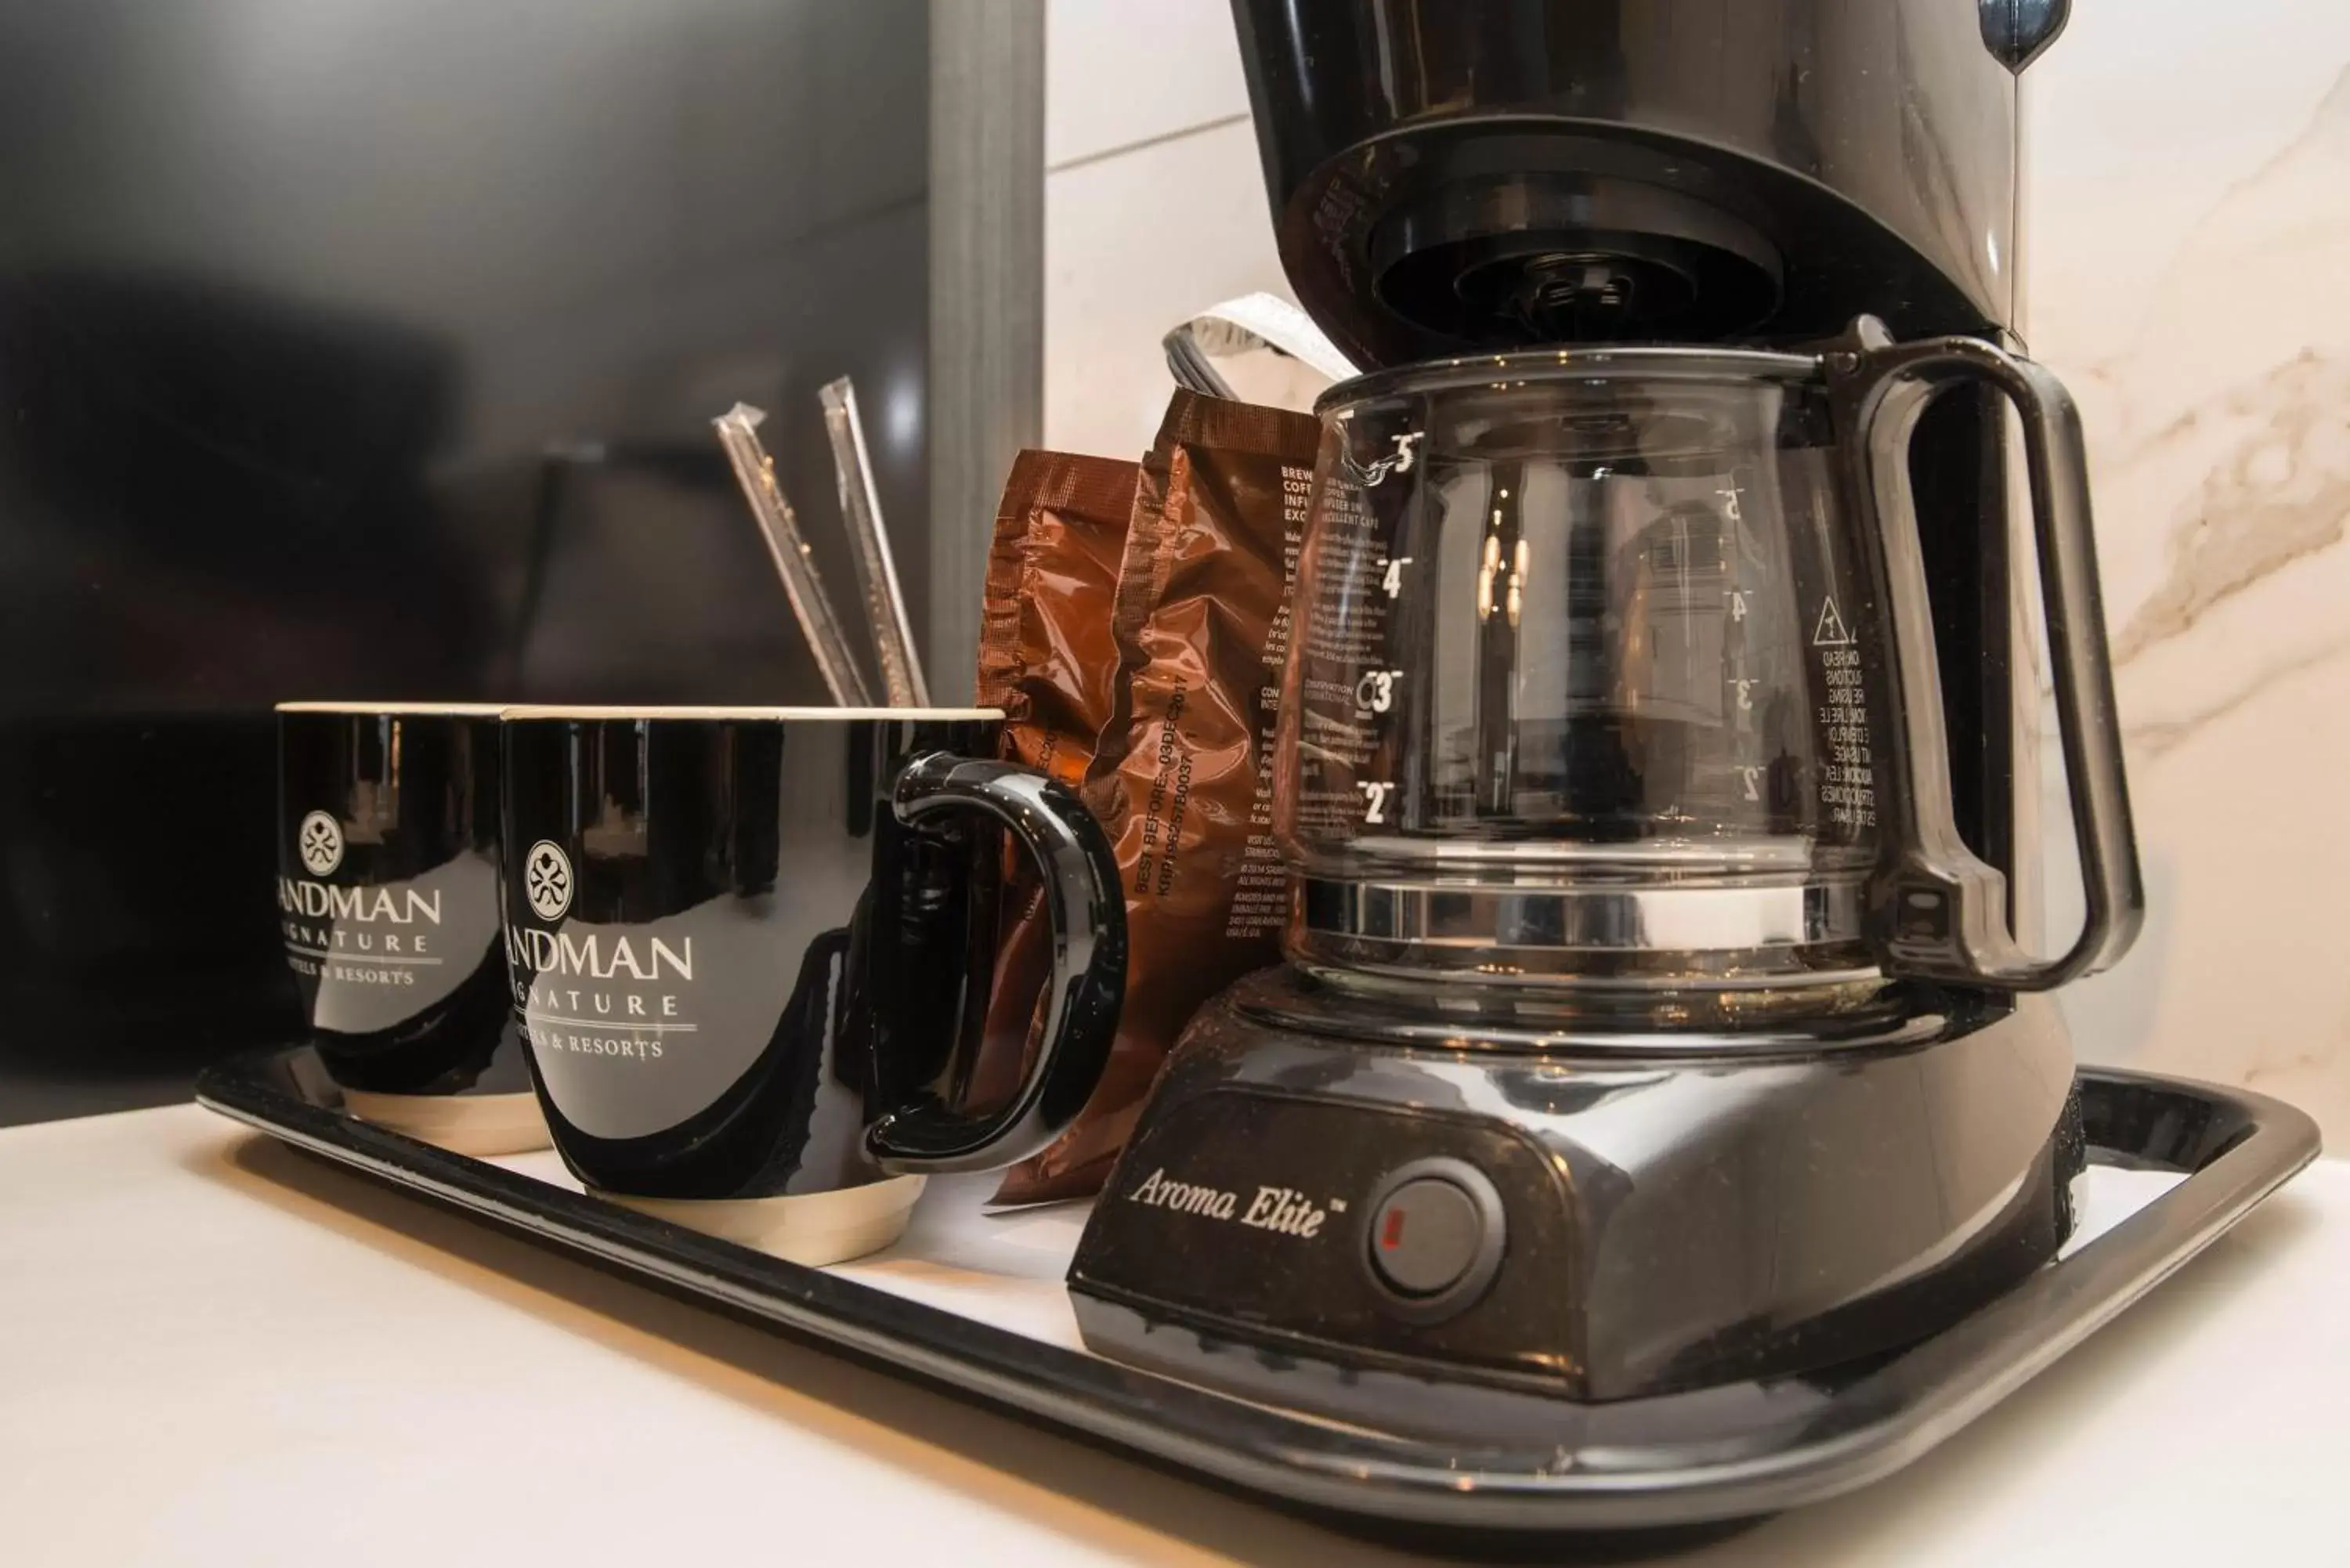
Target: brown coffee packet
{"x": 1046, "y": 658}
{"x": 1182, "y": 775}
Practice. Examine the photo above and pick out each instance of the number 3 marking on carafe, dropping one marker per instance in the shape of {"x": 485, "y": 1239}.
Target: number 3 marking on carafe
{"x": 1374, "y": 692}
{"x": 1374, "y": 799}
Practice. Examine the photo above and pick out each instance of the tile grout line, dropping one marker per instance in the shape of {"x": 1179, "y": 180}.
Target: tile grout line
{"x": 1164, "y": 137}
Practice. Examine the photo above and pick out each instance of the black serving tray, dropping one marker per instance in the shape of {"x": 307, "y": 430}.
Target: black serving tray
{"x": 1633, "y": 1465}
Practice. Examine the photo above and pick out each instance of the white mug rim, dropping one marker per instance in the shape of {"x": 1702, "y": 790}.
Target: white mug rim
{"x": 453, "y": 709}
{"x": 525, "y": 711}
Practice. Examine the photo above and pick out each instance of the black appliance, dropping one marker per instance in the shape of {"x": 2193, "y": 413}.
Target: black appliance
{"x": 1613, "y": 1061}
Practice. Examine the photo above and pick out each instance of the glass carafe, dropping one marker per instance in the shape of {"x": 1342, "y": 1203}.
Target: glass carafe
{"x": 1614, "y": 668}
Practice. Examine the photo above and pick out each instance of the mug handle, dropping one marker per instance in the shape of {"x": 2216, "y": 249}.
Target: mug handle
{"x": 1088, "y": 981}
{"x": 1944, "y": 908}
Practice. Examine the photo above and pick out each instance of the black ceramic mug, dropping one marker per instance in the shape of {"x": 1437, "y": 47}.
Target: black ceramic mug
{"x": 388, "y": 902}
{"x": 751, "y": 951}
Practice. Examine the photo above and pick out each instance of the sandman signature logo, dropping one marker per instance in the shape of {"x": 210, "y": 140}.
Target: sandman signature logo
{"x": 320, "y": 843}
{"x": 546, "y": 880}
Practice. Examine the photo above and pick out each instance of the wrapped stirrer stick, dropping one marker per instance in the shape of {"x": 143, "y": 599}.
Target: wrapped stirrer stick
{"x": 877, "y": 572}
{"x": 756, "y": 472}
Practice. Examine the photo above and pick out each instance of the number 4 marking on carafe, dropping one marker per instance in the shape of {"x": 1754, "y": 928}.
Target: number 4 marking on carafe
{"x": 1374, "y": 799}
{"x": 1393, "y": 581}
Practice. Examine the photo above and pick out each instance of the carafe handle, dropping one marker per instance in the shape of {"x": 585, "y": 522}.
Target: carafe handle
{"x": 1943, "y": 913}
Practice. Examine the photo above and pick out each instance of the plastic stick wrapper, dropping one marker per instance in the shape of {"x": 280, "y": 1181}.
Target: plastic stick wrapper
{"x": 756, "y": 472}
{"x": 877, "y": 570}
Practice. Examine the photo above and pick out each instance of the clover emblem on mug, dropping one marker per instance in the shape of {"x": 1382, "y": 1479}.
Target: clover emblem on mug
{"x": 546, "y": 880}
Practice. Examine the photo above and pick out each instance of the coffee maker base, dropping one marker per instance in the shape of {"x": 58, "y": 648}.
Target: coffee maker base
{"x": 1328, "y": 1221}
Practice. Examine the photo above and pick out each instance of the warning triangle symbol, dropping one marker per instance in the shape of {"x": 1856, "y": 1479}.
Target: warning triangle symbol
{"x": 1830, "y": 632}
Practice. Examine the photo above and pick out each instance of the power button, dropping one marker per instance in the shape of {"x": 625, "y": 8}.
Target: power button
{"x": 1433, "y": 1238}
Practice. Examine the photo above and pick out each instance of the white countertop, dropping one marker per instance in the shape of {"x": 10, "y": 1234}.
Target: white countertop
{"x": 216, "y": 1351}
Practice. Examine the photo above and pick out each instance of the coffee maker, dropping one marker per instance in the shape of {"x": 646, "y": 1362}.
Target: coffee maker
{"x": 1655, "y": 767}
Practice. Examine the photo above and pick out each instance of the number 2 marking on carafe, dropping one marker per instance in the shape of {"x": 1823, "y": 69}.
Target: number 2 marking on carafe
{"x": 1374, "y": 799}
{"x": 1753, "y": 782}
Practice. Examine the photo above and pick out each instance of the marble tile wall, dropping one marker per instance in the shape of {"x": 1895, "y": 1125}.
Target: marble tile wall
{"x": 2189, "y": 267}
{"x": 2188, "y": 250}
{"x": 1154, "y": 208}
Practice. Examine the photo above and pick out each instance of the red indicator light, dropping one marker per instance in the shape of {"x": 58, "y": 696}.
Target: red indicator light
{"x": 1391, "y": 1233}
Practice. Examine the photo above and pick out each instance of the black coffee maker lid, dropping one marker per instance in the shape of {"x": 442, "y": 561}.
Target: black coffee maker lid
{"x": 1492, "y": 174}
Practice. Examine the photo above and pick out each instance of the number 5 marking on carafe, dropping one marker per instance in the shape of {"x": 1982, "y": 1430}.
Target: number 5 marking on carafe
{"x": 1374, "y": 799}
